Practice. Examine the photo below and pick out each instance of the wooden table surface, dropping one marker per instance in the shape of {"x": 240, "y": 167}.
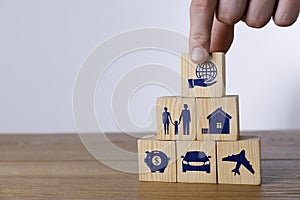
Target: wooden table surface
{"x": 58, "y": 167}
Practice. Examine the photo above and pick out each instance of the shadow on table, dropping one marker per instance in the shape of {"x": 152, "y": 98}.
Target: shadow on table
{"x": 280, "y": 180}
{"x": 151, "y": 190}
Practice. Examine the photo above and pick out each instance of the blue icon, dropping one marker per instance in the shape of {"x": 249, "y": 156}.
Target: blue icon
{"x": 185, "y": 117}
{"x": 176, "y": 124}
{"x": 166, "y": 119}
{"x": 195, "y": 161}
{"x": 206, "y": 73}
{"x": 156, "y": 161}
{"x": 219, "y": 123}
{"x": 240, "y": 159}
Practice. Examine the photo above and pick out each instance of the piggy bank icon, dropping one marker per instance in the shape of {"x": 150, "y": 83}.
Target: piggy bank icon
{"x": 156, "y": 161}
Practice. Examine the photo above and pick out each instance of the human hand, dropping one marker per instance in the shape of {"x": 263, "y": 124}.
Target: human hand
{"x": 212, "y": 21}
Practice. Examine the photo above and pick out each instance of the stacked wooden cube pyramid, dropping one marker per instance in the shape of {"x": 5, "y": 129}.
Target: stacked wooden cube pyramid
{"x": 197, "y": 138}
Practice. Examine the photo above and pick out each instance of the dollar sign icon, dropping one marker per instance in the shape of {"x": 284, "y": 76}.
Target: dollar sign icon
{"x": 156, "y": 160}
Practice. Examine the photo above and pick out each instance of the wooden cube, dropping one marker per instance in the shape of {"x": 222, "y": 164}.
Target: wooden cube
{"x": 206, "y": 79}
{"x": 239, "y": 161}
{"x": 157, "y": 160}
{"x": 217, "y": 118}
{"x": 176, "y": 118}
{"x": 196, "y": 161}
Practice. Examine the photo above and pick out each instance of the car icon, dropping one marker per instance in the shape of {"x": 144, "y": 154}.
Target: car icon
{"x": 156, "y": 161}
{"x": 196, "y": 161}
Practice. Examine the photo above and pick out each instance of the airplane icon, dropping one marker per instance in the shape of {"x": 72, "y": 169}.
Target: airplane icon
{"x": 240, "y": 159}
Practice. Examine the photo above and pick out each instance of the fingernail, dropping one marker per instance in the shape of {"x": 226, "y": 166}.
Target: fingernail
{"x": 198, "y": 54}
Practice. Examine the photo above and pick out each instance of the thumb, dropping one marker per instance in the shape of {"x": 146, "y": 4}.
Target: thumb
{"x": 201, "y": 19}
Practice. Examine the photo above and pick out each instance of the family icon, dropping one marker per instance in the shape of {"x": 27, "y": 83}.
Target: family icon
{"x": 185, "y": 117}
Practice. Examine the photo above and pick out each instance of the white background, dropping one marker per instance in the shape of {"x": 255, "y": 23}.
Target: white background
{"x": 44, "y": 42}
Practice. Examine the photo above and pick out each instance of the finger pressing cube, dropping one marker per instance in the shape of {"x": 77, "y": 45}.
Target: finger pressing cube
{"x": 206, "y": 79}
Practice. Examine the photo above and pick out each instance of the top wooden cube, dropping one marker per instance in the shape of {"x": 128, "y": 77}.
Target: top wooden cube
{"x": 206, "y": 79}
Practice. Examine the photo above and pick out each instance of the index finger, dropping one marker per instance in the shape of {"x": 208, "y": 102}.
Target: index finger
{"x": 201, "y": 18}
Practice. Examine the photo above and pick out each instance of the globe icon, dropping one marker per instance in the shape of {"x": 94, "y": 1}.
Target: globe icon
{"x": 207, "y": 71}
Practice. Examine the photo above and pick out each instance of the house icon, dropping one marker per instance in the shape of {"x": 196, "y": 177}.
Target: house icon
{"x": 219, "y": 123}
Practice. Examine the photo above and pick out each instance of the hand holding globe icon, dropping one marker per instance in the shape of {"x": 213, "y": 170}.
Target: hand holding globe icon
{"x": 206, "y": 73}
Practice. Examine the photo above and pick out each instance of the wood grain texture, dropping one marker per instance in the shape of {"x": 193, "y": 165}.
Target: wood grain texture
{"x": 58, "y": 167}
{"x": 206, "y": 106}
{"x": 188, "y": 71}
{"x": 189, "y": 176}
{"x": 251, "y": 147}
{"x": 175, "y": 107}
{"x": 153, "y": 152}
